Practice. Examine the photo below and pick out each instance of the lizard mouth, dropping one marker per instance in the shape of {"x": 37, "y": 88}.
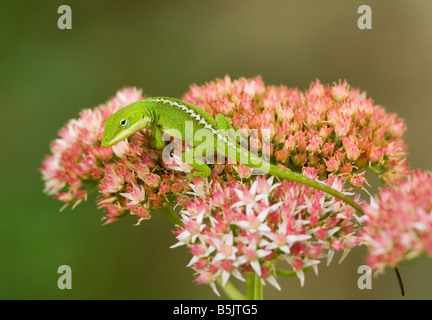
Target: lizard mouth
{"x": 105, "y": 143}
{"x": 110, "y": 141}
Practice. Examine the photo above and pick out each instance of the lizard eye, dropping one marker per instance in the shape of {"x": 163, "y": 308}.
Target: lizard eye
{"x": 124, "y": 122}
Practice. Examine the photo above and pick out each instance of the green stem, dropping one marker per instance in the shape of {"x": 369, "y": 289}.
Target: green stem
{"x": 377, "y": 169}
{"x": 250, "y": 286}
{"x": 171, "y": 216}
{"x": 254, "y": 287}
{"x": 285, "y": 273}
{"x": 231, "y": 291}
{"x": 288, "y": 273}
{"x": 258, "y": 289}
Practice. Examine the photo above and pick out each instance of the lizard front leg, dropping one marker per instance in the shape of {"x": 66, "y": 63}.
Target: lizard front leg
{"x": 157, "y": 142}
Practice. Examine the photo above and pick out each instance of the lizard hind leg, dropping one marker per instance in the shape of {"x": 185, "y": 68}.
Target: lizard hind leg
{"x": 203, "y": 169}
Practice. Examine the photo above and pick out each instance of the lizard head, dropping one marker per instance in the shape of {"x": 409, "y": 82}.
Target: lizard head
{"x": 124, "y": 123}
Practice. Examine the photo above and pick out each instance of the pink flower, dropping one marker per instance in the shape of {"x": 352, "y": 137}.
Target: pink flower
{"x": 352, "y": 147}
{"x": 136, "y": 194}
{"x": 340, "y": 91}
{"x": 398, "y": 223}
{"x": 357, "y": 180}
{"x": 243, "y": 171}
{"x": 332, "y": 164}
{"x": 206, "y": 277}
{"x": 343, "y": 125}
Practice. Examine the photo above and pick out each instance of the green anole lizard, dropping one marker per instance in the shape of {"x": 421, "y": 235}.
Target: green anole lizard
{"x": 171, "y": 115}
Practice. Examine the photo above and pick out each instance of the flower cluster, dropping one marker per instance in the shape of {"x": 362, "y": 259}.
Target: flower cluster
{"x": 332, "y": 128}
{"x": 398, "y": 223}
{"x": 234, "y": 228}
{"x": 129, "y": 176}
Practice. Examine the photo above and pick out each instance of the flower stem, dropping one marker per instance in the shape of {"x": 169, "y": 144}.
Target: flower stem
{"x": 250, "y": 286}
{"x": 258, "y": 289}
{"x": 231, "y": 291}
{"x": 288, "y": 273}
{"x": 377, "y": 169}
{"x": 171, "y": 216}
{"x": 254, "y": 287}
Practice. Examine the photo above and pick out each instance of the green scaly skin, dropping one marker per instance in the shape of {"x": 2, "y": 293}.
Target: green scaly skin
{"x": 183, "y": 120}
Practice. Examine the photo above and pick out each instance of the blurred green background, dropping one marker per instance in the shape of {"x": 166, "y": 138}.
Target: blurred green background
{"x": 48, "y": 75}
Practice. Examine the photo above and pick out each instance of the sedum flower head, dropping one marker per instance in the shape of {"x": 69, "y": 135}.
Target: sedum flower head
{"x": 233, "y": 228}
{"x": 332, "y": 128}
{"x": 398, "y": 223}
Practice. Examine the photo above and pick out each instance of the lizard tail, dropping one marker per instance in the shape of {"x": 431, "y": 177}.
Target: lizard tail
{"x": 297, "y": 177}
